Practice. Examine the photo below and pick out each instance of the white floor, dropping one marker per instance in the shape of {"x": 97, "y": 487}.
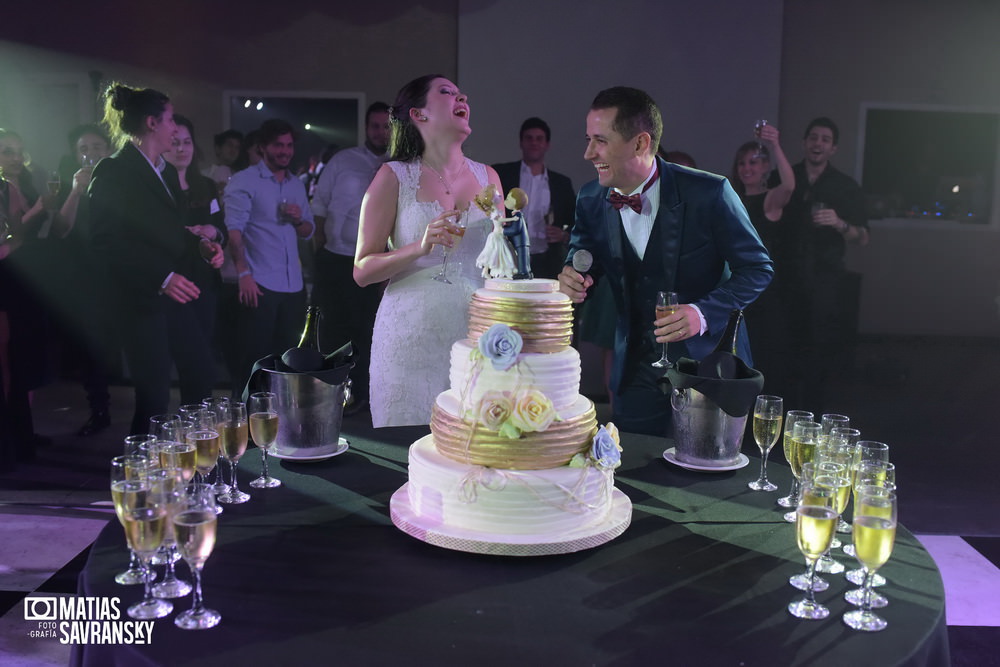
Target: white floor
{"x": 971, "y": 582}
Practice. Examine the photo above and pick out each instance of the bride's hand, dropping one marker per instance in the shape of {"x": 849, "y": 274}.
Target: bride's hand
{"x": 439, "y": 231}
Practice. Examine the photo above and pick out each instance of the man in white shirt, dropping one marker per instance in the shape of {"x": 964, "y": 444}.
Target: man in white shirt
{"x": 549, "y": 214}
{"x": 348, "y": 310}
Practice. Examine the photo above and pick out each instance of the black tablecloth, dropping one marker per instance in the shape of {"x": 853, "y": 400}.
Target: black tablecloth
{"x": 315, "y": 571}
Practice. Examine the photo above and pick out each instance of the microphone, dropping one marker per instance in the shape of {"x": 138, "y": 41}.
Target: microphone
{"x": 582, "y": 261}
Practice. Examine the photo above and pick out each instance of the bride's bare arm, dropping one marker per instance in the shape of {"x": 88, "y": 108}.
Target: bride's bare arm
{"x": 373, "y": 261}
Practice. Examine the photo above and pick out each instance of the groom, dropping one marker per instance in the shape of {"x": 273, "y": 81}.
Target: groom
{"x": 655, "y": 226}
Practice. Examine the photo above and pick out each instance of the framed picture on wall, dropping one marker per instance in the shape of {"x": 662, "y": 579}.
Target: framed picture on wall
{"x": 930, "y": 163}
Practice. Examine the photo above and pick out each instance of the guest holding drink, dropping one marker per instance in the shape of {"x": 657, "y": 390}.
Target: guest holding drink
{"x": 139, "y": 233}
{"x": 825, "y": 213}
{"x": 751, "y": 177}
{"x": 202, "y": 213}
{"x": 653, "y": 226}
{"x": 412, "y": 206}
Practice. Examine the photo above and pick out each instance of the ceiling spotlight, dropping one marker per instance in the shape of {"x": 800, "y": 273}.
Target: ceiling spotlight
{"x": 309, "y": 126}
{"x": 246, "y": 105}
{"x": 260, "y": 105}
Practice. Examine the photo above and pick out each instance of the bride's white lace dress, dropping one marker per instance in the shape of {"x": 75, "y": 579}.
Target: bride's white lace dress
{"x": 420, "y": 318}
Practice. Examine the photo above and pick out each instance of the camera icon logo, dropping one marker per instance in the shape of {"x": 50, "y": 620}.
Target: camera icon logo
{"x": 38, "y": 608}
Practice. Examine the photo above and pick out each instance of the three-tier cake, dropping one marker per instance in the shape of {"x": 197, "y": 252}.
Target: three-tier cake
{"x": 516, "y": 463}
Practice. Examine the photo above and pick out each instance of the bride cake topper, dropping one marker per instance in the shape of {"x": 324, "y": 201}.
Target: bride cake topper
{"x": 498, "y": 259}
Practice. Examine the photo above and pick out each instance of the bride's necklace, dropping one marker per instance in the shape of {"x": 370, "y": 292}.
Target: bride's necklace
{"x": 445, "y": 183}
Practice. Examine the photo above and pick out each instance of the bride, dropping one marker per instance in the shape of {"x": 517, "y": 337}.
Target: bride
{"x": 412, "y": 206}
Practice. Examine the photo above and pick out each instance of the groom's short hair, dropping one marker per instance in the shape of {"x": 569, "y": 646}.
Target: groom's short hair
{"x": 637, "y": 112}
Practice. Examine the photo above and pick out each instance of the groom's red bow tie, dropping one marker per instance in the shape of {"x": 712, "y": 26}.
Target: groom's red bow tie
{"x": 634, "y": 201}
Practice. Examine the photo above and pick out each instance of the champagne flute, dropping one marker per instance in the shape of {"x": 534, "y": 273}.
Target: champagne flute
{"x": 194, "y": 529}
{"x": 457, "y": 231}
{"x": 169, "y": 481}
{"x": 178, "y": 455}
{"x": 666, "y": 304}
{"x": 144, "y": 518}
{"x": 233, "y": 432}
{"x": 264, "y": 430}
{"x": 875, "y": 519}
{"x": 815, "y": 522}
{"x": 831, "y": 421}
{"x": 757, "y": 127}
{"x": 837, "y": 476}
{"x": 216, "y": 405}
{"x": 880, "y": 474}
{"x": 767, "y": 419}
{"x": 206, "y": 444}
{"x": 157, "y": 424}
{"x": 791, "y": 417}
{"x": 126, "y": 470}
{"x": 138, "y": 445}
{"x": 805, "y": 437}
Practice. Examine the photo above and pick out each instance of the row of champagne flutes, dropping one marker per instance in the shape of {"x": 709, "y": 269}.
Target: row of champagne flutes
{"x": 157, "y": 507}
{"x": 830, "y": 464}
{"x": 163, "y": 470}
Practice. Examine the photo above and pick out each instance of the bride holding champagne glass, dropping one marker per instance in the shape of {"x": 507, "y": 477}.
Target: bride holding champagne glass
{"x": 412, "y": 207}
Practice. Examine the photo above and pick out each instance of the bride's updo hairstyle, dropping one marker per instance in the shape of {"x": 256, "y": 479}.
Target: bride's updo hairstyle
{"x": 126, "y": 110}
{"x": 405, "y": 142}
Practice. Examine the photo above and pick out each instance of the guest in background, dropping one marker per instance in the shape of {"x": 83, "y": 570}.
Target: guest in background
{"x": 825, "y": 213}
{"x": 551, "y": 198}
{"x": 267, "y": 212}
{"x": 348, "y": 309}
{"x": 139, "y": 231}
{"x": 677, "y": 157}
{"x": 228, "y": 160}
{"x": 751, "y": 177}
{"x": 22, "y": 319}
{"x": 202, "y": 216}
{"x": 412, "y": 206}
{"x": 90, "y": 338}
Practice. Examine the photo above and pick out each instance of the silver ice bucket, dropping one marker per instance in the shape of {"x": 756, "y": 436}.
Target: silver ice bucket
{"x": 310, "y": 413}
{"x": 704, "y": 434}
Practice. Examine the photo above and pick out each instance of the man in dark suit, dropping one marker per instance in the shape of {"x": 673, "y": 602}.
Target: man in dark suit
{"x": 549, "y": 213}
{"x": 655, "y": 226}
{"x": 139, "y": 233}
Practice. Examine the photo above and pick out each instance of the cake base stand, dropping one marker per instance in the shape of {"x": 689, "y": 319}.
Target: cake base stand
{"x": 459, "y": 539}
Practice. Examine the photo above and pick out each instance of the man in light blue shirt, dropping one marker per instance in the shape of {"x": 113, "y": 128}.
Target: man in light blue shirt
{"x": 267, "y": 212}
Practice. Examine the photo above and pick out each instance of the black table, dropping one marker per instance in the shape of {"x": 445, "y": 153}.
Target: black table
{"x": 315, "y": 572}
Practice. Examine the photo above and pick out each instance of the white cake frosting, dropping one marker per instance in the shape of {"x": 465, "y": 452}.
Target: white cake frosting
{"x": 557, "y": 375}
{"x": 495, "y": 501}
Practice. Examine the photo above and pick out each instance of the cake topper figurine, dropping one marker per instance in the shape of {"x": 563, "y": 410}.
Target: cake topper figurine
{"x": 515, "y": 228}
{"x": 496, "y": 260}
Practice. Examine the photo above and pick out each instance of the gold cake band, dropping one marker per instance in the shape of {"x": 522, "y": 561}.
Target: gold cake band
{"x": 472, "y": 444}
{"x": 544, "y": 327}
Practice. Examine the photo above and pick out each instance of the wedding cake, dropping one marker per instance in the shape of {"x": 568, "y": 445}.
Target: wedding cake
{"x": 515, "y": 463}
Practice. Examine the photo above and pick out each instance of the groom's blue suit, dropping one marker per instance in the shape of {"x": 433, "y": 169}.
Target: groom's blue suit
{"x": 703, "y": 247}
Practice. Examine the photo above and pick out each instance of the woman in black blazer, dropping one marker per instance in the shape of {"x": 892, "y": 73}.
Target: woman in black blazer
{"x": 139, "y": 230}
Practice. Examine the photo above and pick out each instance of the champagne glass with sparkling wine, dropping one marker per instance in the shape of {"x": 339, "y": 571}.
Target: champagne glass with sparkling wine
{"x": 264, "y": 431}
{"x": 234, "y": 434}
{"x": 815, "y": 523}
{"x": 457, "y": 232}
{"x": 767, "y": 417}
{"x": 194, "y": 530}
{"x": 666, "y": 304}
{"x": 792, "y": 416}
{"x": 874, "y": 536}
